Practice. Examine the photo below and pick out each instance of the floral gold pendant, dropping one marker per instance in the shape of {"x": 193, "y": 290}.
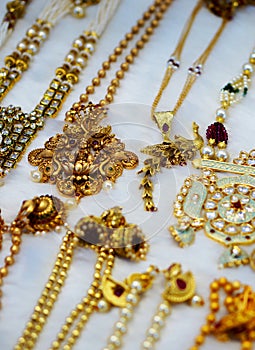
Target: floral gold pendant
{"x": 223, "y": 206}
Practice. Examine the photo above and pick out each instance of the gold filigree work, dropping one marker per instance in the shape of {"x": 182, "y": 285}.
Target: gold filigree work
{"x": 86, "y": 155}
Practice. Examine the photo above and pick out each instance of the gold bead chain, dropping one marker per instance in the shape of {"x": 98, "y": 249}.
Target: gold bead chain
{"x": 238, "y": 323}
{"x": 157, "y": 10}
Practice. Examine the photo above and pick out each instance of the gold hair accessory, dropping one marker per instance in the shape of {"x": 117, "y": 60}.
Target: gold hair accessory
{"x": 18, "y": 129}
{"x": 238, "y": 322}
{"x": 180, "y": 287}
{"x": 37, "y": 215}
{"x": 170, "y": 153}
{"x": 109, "y": 236}
{"x": 223, "y": 206}
{"x": 82, "y": 165}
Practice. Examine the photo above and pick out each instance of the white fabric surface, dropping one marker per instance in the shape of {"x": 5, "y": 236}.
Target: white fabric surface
{"x": 130, "y": 117}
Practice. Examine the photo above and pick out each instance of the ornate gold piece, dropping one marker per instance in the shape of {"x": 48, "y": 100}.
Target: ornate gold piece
{"x": 86, "y": 155}
{"x": 40, "y": 214}
{"x": 166, "y": 155}
{"x": 104, "y": 290}
{"x": 238, "y": 323}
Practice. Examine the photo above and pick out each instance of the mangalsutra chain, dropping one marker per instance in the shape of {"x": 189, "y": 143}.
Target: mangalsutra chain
{"x": 171, "y": 153}
{"x": 88, "y": 176}
{"x": 109, "y": 236}
{"x": 38, "y": 215}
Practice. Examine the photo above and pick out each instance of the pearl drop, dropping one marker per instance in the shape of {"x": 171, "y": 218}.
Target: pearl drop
{"x": 222, "y": 155}
{"x": 207, "y": 151}
{"x": 71, "y": 203}
{"x": 78, "y": 11}
{"x": 220, "y": 112}
{"x": 36, "y": 176}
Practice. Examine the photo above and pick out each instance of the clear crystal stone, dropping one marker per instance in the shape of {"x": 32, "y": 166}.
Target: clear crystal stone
{"x": 210, "y": 204}
{"x": 229, "y": 190}
{"x": 243, "y": 189}
{"x": 217, "y": 196}
{"x": 231, "y": 229}
{"x": 246, "y": 228}
{"x": 219, "y": 224}
{"x": 211, "y": 215}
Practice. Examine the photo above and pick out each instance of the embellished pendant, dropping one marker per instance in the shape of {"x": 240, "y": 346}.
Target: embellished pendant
{"x": 223, "y": 206}
{"x": 85, "y": 156}
{"x": 166, "y": 155}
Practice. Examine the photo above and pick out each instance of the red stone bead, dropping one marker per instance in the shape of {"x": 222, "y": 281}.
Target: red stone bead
{"x": 217, "y": 132}
{"x": 181, "y": 284}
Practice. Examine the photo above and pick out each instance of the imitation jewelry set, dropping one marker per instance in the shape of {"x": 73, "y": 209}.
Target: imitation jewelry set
{"x": 87, "y": 157}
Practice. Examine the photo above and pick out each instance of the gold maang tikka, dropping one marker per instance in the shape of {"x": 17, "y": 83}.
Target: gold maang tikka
{"x": 18, "y": 129}
{"x": 38, "y": 215}
{"x": 86, "y": 156}
{"x": 223, "y": 206}
{"x": 171, "y": 153}
{"x": 109, "y": 235}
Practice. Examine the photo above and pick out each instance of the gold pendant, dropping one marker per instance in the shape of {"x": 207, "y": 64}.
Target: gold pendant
{"x": 86, "y": 155}
{"x": 223, "y": 206}
{"x": 166, "y": 155}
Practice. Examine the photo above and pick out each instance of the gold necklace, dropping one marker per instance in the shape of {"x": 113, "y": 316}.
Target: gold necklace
{"x": 238, "y": 322}
{"x": 18, "y": 129}
{"x": 87, "y": 155}
{"x": 170, "y": 153}
{"x": 37, "y": 215}
{"x": 223, "y": 207}
{"x": 108, "y": 235}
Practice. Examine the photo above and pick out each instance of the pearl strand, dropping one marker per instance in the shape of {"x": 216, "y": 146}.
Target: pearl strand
{"x": 158, "y": 322}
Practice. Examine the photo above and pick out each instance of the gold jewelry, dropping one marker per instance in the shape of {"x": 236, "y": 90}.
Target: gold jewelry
{"x": 170, "y": 153}
{"x": 87, "y": 156}
{"x": 18, "y": 129}
{"x": 108, "y": 235}
{"x": 223, "y": 207}
{"x": 37, "y": 215}
{"x": 239, "y": 321}
{"x": 15, "y": 10}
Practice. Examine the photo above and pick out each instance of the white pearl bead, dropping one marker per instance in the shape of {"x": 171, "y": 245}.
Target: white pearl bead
{"x": 71, "y": 203}
{"x": 164, "y": 308}
{"x": 36, "y": 176}
{"x": 42, "y": 34}
{"x": 81, "y": 61}
{"x": 136, "y": 285}
{"x": 147, "y": 345}
{"x": 222, "y": 155}
{"x": 90, "y": 47}
{"x": 220, "y": 112}
{"x": 70, "y": 57}
{"x": 131, "y": 299}
{"x": 248, "y": 67}
{"x": 115, "y": 340}
{"x": 78, "y": 43}
{"x": 121, "y": 327}
{"x": 152, "y": 332}
{"x": 103, "y": 306}
{"x": 21, "y": 46}
{"x": 158, "y": 320}
{"x": 125, "y": 312}
{"x": 78, "y": 11}
{"x": 207, "y": 151}
{"x": 107, "y": 185}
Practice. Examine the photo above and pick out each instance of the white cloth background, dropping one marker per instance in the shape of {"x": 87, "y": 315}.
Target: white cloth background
{"x": 130, "y": 117}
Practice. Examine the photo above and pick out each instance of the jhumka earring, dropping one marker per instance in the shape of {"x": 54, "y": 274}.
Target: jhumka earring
{"x": 109, "y": 236}
{"x": 223, "y": 206}
{"x": 37, "y": 215}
